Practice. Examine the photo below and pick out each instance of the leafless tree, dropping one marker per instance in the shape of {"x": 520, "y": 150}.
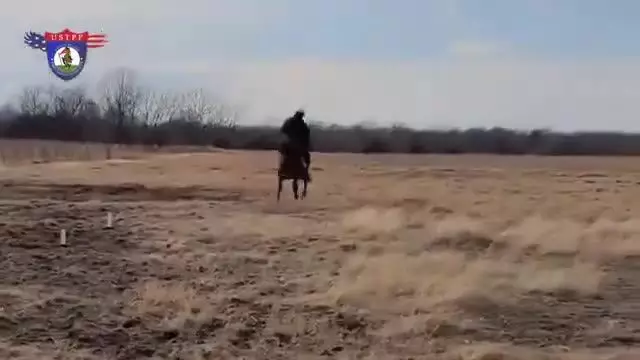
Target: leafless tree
{"x": 67, "y": 102}
{"x": 226, "y": 116}
{"x": 33, "y": 101}
{"x": 90, "y": 110}
{"x": 8, "y": 111}
{"x": 156, "y": 108}
{"x": 199, "y": 106}
{"x": 121, "y": 97}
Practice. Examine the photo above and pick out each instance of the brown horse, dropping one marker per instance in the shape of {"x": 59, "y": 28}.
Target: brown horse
{"x": 293, "y": 167}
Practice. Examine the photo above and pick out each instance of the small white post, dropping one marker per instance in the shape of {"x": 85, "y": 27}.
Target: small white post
{"x": 109, "y": 220}
{"x": 63, "y": 237}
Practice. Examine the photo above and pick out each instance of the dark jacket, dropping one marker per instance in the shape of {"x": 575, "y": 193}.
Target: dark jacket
{"x": 297, "y": 130}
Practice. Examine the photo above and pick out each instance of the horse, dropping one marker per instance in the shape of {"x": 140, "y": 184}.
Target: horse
{"x": 293, "y": 167}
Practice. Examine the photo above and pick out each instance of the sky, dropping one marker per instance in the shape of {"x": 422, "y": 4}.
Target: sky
{"x": 559, "y": 64}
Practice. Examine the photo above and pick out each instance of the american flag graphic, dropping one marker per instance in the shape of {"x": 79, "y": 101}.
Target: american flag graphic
{"x": 96, "y": 40}
{"x": 38, "y": 41}
{"x": 35, "y": 41}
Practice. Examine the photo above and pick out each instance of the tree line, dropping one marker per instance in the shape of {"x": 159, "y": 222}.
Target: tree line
{"x": 125, "y": 112}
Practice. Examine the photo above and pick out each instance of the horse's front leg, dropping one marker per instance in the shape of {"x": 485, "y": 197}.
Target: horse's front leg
{"x": 294, "y": 185}
{"x": 279, "y": 187}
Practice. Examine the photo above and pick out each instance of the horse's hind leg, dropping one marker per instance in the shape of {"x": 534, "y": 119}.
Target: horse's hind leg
{"x": 294, "y": 185}
{"x": 279, "y": 187}
{"x": 304, "y": 188}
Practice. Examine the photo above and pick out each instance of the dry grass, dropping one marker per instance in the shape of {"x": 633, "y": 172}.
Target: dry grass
{"x": 21, "y": 152}
{"x": 423, "y": 257}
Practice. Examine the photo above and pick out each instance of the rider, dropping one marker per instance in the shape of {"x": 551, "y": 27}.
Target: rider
{"x": 298, "y": 134}
{"x": 66, "y": 56}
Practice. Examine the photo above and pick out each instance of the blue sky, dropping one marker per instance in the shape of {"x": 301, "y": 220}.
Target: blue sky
{"x": 564, "y": 64}
{"x": 408, "y": 29}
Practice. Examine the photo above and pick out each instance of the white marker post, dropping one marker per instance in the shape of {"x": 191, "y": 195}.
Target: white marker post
{"x": 63, "y": 237}
{"x": 109, "y": 220}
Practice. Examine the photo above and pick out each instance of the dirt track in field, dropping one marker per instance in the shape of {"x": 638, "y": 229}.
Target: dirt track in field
{"x": 390, "y": 257}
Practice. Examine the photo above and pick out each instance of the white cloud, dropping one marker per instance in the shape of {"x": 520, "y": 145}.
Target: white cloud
{"x": 504, "y": 92}
{"x": 457, "y": 91}
{"x": 478, "y": 83}
{"x": 486, "y": 91}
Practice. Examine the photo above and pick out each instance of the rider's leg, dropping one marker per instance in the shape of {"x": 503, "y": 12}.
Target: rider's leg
{"x": 307, "y": 158}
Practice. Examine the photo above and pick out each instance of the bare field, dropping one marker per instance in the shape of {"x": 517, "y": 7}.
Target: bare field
{"x": 390, "y": 257}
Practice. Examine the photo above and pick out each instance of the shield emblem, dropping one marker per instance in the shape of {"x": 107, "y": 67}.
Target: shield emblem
{"x": 66, "y": 53}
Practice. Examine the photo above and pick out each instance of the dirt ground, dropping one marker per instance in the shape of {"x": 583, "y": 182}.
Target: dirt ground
{"x": 390, "y": 257}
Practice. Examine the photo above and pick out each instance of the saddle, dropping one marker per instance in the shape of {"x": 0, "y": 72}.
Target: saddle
{"x": 291, "y": 148}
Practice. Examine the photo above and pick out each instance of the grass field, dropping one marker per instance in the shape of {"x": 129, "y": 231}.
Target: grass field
{"x": 390, "y": 257}
{"x": 67, "y": 69}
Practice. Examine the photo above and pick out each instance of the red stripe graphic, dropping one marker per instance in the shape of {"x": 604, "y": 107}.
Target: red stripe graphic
{"x": 97, "y": 40}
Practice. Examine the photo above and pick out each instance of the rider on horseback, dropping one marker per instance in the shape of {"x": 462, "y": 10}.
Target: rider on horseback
{"x": 65, "y": 56}
{"x": 298, "y": 135}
